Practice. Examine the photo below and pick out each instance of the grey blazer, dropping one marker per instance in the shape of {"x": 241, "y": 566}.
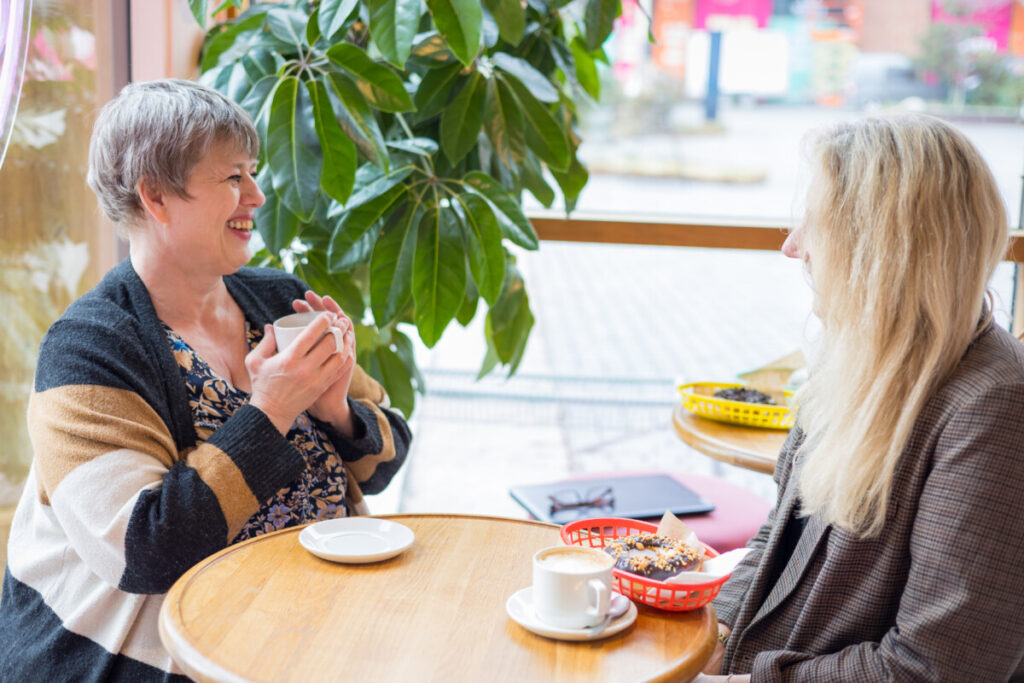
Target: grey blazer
{"x": 939, "y": 594}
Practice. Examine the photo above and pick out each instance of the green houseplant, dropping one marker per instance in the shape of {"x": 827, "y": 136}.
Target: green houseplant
{"x": 397, "y": 139}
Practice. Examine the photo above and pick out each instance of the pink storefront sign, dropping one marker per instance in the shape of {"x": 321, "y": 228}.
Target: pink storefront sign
{"x": 992, "y": 16}
{"x": 757, "y": 11}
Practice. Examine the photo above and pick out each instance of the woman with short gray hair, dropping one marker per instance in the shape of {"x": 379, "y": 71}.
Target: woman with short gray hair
{"x": 165, "y": 422}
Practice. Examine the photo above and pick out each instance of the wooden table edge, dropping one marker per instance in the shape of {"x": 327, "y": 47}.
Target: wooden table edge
{"x": 715, "y": 449}
{"x": 198, "y": 666}
{"x": 686, "y": 670}
{"x": 202, "y": 668}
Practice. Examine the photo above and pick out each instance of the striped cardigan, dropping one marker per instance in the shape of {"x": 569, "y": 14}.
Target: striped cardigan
{"x": 123, "y": 498}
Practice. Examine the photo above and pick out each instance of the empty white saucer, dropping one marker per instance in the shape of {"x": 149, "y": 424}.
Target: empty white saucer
{"x": 356, "y": 540}
{"x": 520, "y": 608}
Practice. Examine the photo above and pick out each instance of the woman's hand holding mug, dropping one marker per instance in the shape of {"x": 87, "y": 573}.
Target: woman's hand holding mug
{"x": 332, "y": 405}
{"x": 289, "y": 381}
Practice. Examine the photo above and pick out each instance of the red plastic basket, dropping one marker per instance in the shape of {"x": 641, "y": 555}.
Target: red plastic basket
{"x": 594, "y": 533}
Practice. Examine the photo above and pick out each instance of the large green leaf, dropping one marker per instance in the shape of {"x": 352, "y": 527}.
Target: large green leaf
{"x": 396, "y": 378}
{"x": 599, "y": 19}
{"x": 200, "y": 10}
{"x": 424, "y": 147}
{"x": 339, "y": 286}
{"x": 439, "y": 273}
{"x": 257, "y": 104}
{"x": 467, "y": 310}
{"x": 276, "y": 224}
{"x": 483, "y": 245}
{"x": 370, "y": 184}
{"x": 572, "y": 181}
{"x": 229, "y": 78}
{"x": 380, "y": 85}
{"x": 488, "y": 30}
{"x": 432, "y": 93}
{"x": 393, "y": 26}
{"x": 461, "y": 120}
{"x": 259, "y": 63}
{"x": 230, "y": 43}
{"x": 503, "y": 123}
{"x": 391, "y": 266}
{"x": 287, "y": 25}
{"x": 533, "y": 180}
{"x": 509, "y": 322}
{"x": 459, "y": 23}
{"x": 510, "y": 17}
{"x": 544, "y": 134}
{"x": 339, "y": 153}
{"x": 491, "y": 359}
{"x": 332, "y": 15}
{"x": 405, "y": 350}
{"x": 507, "y": 210}
{"x": 293, "y": 150}
{"x": 430, "y": 50}
{"x": 313, "y": 34}
{"x": 368, "y": 338}
{"x": 357, "y": 232}
{"x": 536, "y": 82}
{"x": 357, "y": 118}
{"x": 586, "y": 69}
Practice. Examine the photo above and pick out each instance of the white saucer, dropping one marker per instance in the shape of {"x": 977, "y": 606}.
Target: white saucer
{"x": 356, "y": 540}
{"x": 520, "y": 607}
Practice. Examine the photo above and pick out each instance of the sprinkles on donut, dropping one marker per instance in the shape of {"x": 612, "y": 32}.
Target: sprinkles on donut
{"x": 656, "y": 557}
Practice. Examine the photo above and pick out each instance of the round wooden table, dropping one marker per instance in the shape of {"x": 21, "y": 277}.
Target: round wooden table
{"x": 751, "y": 447}
{"x": 268, "y": 610}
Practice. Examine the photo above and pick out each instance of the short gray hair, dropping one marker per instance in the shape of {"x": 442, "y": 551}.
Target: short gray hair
{"x": 159, "y": 130}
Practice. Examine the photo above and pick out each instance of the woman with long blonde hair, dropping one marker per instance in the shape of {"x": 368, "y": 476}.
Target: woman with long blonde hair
{"x": 893, "y": 552}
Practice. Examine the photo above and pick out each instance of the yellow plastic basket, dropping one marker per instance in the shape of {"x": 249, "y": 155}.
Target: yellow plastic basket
{"x": 699, "y": 399}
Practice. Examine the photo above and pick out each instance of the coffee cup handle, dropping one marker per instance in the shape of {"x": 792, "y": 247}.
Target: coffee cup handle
{"x": 339, "y": 338}
{"x": 603, "y": 595}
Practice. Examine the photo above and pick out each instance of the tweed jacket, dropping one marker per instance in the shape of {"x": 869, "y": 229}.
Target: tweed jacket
{"x": 939, "y": 594}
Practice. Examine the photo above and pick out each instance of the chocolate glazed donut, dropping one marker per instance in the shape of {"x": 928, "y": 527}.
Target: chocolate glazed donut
{"x": 656, "y": 557}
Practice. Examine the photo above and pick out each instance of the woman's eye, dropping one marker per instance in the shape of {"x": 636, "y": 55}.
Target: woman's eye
{"x": 235, "y": 178}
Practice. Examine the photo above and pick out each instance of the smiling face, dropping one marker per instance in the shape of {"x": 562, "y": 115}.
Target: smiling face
{"x": 210, "y": 230}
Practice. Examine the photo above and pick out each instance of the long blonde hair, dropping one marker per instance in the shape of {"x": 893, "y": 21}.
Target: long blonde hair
{"x": 904, "y": 228}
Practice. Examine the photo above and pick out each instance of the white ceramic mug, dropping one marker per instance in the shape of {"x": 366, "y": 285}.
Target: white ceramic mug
{"x": 289, "y": 327}
{"x": 572, "y": 586}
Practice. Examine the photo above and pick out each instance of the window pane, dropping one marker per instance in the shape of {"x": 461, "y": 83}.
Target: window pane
{"x": 53, "y": 245}
{"x": 657, "y": 144}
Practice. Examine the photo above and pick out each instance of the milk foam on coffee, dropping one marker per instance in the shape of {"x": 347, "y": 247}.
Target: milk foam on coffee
{"x": 572, "y": 561}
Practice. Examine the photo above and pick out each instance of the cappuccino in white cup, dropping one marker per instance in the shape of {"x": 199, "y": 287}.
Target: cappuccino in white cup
{"x": 572, "y": 586}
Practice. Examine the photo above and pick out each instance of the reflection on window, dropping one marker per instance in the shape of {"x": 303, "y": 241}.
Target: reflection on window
{"x": 14, "y": 28}
{"x": 705, "y": 102}
{"x": 49, "y": 229}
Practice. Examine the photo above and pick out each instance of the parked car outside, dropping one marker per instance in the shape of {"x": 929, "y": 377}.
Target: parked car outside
{"x": 877, "y": 78}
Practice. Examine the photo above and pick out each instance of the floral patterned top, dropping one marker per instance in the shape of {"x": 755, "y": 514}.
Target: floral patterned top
{"x": 319, "y": 491}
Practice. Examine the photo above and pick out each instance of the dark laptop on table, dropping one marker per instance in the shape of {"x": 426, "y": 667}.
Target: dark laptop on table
{"x": 634, "y": 497}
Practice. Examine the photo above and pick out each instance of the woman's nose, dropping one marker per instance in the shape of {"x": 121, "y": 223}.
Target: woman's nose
{"x": 792, "y": 246}
{"x": 253, "y": 195}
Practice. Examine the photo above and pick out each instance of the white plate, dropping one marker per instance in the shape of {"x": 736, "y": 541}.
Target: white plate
{"x": 520, "y": 607}
{"x": 356, "y": 540}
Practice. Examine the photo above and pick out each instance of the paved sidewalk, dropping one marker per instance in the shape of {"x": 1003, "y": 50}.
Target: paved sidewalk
{"x": 617, "y": 328}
